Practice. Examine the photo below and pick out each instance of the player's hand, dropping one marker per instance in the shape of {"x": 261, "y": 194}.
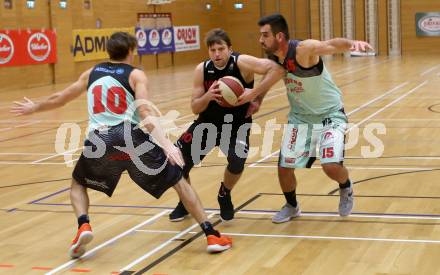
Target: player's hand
{"x": 214, "y": 93}
{"x": 248, "y": 96}
{"x": 361, "y": 46}
{"x": 25, "y": 107}
{"x": 254, "y": 107}
{"x": 174, "y": 155}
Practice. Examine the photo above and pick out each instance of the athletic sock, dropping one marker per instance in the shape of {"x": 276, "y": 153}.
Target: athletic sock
{"x": 345, "y": 185}
{"x": 83, "y": 219}
{"x": 223, "y": 191}
{"x": 291, "y": 198}
{"x": 208, "y": 229}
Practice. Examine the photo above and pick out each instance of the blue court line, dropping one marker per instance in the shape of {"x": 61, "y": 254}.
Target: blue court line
{"x": 48, "y": 196}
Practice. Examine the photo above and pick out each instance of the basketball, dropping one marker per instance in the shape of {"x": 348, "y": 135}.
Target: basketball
{"x": 231, "y": 88}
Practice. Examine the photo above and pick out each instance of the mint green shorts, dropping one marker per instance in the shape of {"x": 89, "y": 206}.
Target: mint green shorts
{"x": 309, "y": 136}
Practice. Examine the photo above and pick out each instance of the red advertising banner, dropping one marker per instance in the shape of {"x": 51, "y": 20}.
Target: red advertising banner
{"x": 9, "y": 48}
{"x": 27, "y": 47}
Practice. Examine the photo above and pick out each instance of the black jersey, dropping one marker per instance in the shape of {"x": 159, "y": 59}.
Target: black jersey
{"x": 215, "y": 113}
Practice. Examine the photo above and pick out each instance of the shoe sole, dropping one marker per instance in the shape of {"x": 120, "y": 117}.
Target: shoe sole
{"x": 216, "y": 248}
{"x": 178, "y": 219}
{"x": 80, "y": 246}
{"x": 225, "y": 220}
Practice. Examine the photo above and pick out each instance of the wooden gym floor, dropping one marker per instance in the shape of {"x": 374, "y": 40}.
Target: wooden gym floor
{"x": 395, "y": 227}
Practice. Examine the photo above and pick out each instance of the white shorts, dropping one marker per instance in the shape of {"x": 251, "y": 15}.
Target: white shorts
{"x": 309, "y": 136}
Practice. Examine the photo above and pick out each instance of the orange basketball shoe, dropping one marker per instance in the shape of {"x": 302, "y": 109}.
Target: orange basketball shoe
{"x": 216, "y": 244}
{"x": 83, "y": 237}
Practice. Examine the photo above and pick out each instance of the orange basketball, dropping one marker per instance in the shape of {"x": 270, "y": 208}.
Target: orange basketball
{"x": 231, "y": 88}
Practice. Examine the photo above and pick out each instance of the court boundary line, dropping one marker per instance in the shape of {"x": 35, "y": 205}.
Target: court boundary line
{"x": 108, "y": 242}
{"x": 304, "y": 237}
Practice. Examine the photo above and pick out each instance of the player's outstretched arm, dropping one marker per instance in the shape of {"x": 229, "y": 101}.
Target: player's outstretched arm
{"x": 311, "y": 47}
{"x": 271, "y": 72}
{"x": 56, "y": 100}
{"x": 150, "y": 117}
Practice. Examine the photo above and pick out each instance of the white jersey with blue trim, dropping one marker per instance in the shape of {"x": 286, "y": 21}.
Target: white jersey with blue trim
{"x": 109, "y": 95}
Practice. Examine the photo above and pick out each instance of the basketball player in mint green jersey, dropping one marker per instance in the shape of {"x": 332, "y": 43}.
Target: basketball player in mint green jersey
{"x": 316, "y": 117}
{"x": 117, "y": 97}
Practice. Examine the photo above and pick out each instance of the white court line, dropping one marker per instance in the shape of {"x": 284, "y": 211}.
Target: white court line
{"x": 361, "y": 216}
{"x": 363, "y": 168}
{"x": 389, "y": 105}
{"x": 19, "y": 126}
{"x": 159, "y": 247}
{"x": 35, "y": 120}
{"x": 29, "y": 163}
{"x": 429, "y": 70}
{"x": 123, "y": 234}
{"x": 255, "y": 164}
{"x": 377, "y": 98}
{"x": 351, "y": 70}
{"x": 56, "y": 155}
{"x": 396, "y": 157}
{"x": 31, "y": 154}
{"x": 307, "y": 237}
{"x": 348, "y": 114}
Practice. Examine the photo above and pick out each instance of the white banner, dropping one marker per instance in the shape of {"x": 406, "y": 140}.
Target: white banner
{"x": 186, "y": 38}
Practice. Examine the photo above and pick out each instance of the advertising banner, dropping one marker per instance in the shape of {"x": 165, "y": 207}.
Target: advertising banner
{"x": 27, "y": 47}
{"x": 428, "y": 24}
{"x": 153, "y": 41}
{"x": 186, "y": 38}
{"x": 90, "y": 44}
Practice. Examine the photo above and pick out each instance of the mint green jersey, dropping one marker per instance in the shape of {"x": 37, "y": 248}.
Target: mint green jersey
{"x": 311, "y": 91}
{"x": 109, "y": 96}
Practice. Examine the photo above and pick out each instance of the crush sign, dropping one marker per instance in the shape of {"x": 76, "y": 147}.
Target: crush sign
{"x": 27, "y": 47}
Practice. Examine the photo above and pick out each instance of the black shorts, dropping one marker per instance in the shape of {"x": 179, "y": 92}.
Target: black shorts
{"x": 202, "y": 137}
{"x": 101, "y": 163}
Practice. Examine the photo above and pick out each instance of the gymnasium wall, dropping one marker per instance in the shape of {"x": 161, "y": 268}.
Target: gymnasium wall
{"x": 303, "y": 17}
{"x": 410, "y": 42}
{"x": 47, "y": 14}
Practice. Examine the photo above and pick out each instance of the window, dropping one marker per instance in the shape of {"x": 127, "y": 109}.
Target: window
{"x": 238, "y": 6}
{"x": 7, "y": 4}
{"x": 30, "y": 4}
{"x": 63, "y": 4}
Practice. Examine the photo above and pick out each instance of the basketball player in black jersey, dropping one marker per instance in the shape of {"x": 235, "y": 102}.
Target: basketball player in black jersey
{"x": 221, "y": 126}
{"x": 110, "y": 121}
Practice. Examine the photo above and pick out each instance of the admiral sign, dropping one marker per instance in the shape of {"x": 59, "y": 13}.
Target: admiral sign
{"x": 186, "y": 38}
{"x": 428, "y": 24}
{"x": 91, "y": 44}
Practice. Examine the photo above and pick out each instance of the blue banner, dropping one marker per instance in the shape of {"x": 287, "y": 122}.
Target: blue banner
{"x": 154, "y": 41}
